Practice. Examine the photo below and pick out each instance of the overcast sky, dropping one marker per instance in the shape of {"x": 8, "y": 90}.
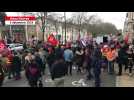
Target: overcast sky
{"x": 117, "y": 18}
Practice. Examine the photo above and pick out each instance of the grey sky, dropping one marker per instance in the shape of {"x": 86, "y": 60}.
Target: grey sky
{"x": 117, "y": 18}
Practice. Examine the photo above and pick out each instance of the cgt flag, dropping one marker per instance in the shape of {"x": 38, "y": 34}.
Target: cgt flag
{"x": 51, "y": 39}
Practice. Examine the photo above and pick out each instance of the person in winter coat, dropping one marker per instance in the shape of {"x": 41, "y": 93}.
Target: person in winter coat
{"x": 39, "y": 61}
{"x": 43, "y": 55}
{"x": 1, "y": 73}
{"x": 24, "y": 54}
{"x": 111, "y": 57}
{"x": 10, "y": 66}
{"x": 58, "y": 72}
{"x": 4, "y": 63}
{"x": 122, "y": 59}
{"x": 78, "y": 57}
{"x": 59, "y": 52}
{"x": 51, "y": 57}
{"x": 104, "y": 50}
{"x": 17, "y": 66}
{"x": 87, "y": 62}
{"x": 33, "y": 73}
{"x": 68, "y": 57}
{"x": 96, "y": 64}
{"x": 28, "y": 58}
{"x": 130, "y": 54}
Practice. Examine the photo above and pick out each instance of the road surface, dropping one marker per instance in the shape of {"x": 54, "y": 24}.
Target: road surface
{"x": 106, "y": 80}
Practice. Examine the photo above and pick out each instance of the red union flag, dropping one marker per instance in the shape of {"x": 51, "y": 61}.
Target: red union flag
{"x": 20, "y": 20}
{"x": 51, "y": 39}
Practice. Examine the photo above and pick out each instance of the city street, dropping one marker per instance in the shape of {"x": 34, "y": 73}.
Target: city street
{"x": 31, "y": 39}
{"x": 125, "y": 80}
{"x": 107, "y": 81}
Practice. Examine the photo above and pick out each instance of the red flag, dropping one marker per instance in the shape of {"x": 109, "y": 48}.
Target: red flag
{"x": 51, "y": 39}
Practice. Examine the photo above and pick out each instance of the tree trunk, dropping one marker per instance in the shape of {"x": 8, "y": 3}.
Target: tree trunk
{"x": 72, "y": 33}
{"x": 80, "y": 28}
{"x": 43, "y": 35}
{"x": 43, "y": 25}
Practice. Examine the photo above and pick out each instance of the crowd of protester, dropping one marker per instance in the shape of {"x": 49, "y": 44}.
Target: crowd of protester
{"x": 90, "y": 60}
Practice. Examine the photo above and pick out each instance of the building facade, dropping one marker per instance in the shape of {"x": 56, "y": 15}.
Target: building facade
{"x": 58, "y": 28}
{"x": 22, "y": 32}
{"x": 129, "y": 26}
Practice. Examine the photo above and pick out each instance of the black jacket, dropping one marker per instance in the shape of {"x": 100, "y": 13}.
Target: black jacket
{"x": 58, "y": 69}
{"x": 28, "y": 74}
{"x": 1, "y": 73}
{"x": 122, "y": 56}
{"x": 16, "y": 62}
{"x": 50, "y": 59}
{"x": 96, "y": 61}
{"x": 39, "y": 62}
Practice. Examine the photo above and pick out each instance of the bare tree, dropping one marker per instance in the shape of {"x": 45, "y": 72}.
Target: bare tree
{"x": 42, "y": 18}
{"x": 78, "y": 18}
{"x": 90, "y": 21}
{"x": 55, "y": 19}
{"x": 70, "y": 24}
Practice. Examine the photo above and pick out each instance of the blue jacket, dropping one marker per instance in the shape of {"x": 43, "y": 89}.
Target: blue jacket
{"x": 68, "y": 55}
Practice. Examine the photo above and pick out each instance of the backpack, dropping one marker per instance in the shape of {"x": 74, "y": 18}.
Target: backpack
{"x": 33, "y": 70}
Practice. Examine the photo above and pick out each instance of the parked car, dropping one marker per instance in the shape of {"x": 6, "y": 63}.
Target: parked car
{"x": 15, "y": 47}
